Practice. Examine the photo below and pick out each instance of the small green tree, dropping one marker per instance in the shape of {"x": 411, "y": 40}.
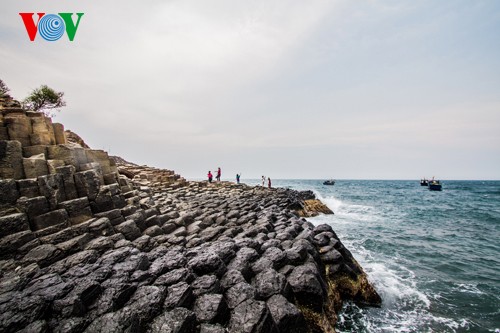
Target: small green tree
{"x": 45, "y": 100}
{"x": 3, "y": 88}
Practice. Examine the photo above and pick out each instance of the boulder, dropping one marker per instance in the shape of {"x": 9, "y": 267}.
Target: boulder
{"x": 129, "y": 229}
{"x": 286, "y": 315}
{"x": 251, "y": 316}
{"x": 211, "y": 308}
{"x": 269, "y": 283}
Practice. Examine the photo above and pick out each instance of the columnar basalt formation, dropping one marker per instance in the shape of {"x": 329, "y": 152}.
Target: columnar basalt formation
{"x": 90, "y": 246}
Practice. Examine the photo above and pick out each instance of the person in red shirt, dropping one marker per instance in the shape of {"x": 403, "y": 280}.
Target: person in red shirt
{"x": 218, "y": 174}
{"x": 209, "y": 176}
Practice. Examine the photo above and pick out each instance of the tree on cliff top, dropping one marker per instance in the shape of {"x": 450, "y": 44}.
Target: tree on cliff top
{"x": 45, "y": 100}
{"x": 3, "y": 88}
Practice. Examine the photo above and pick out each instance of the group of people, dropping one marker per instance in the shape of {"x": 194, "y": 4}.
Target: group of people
{"x": 217, "y": 177}
{"x": 268, "y": 181}
{"x": 238, "y": 176}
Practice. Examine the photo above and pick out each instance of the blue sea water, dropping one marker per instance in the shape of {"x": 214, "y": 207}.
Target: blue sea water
{"x": 434, "y": 257}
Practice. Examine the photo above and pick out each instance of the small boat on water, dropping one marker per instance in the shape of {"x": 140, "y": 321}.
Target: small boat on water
{"x": 435, "y": 185}
{"x": 329, "y": 182}
{"x": 424, "y": 182}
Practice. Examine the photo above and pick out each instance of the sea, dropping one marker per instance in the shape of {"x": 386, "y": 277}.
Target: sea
{"x": 434, "y": 257}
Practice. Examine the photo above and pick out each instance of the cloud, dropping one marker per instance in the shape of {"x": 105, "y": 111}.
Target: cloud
{"x": 169, "y": 81}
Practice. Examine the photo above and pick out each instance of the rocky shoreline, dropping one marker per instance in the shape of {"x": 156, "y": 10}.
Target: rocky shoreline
{"x": 89, "y": 245}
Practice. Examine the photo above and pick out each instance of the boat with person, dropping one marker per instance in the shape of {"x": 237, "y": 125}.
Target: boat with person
{"x": 424, "y": 182}
{"x": 329, "y": 182}
{"x": 435, "y": 185}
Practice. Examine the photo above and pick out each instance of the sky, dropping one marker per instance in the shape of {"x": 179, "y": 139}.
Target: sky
{"x": 288, "y": 89}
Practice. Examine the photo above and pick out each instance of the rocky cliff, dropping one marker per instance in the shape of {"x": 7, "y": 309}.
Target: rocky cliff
{"x": 87, "y": 245}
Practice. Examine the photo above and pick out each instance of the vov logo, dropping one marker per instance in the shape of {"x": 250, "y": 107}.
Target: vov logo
{"x": 51, "y": 27}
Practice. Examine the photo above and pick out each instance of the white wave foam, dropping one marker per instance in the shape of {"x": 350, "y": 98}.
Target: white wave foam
{"x": 405, "y": 308}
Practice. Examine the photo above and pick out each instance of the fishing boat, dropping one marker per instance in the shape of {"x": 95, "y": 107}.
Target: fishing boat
{"x": 329, "y": 182}
{"x": 435, "y": 185}
{"x": 424, "y": 182}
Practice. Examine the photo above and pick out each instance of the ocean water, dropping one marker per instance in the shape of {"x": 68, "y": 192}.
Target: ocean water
{"x": 434, "y": 257}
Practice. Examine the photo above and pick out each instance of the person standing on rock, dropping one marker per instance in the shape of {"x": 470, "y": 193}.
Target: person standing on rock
{"x": 269, "y": 182}
{"x": 209, "y": 176}
{"x": 238, "y": 178}
{"x": 218, "y": 174}
{"x": 263, "y": 180}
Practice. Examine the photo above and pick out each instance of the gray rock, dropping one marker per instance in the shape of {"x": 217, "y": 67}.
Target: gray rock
{"x": 13, "y": 223}
{"x": 9, "y": 191}
{"x": 211, "y": 308}
{"x": 171, "y": 260}
{"x": 206, "y": 284}
{"x": 238, "y": 294}
{"x": 78, "y": 210}
{"x": 231, "y": 278}
{"x": 129, "y": 229}
{"x": 174, "y": 276}
{"x": 51, "y": 219}
{"x": 209, "y": 328}
{"x": 27, "y": 188}
{"x": 286, "y": 316}
{"x": 268, "y": 283}
{"x": 251, "y": 316}
{"x": 179, "y": 320}
{"x": 43, "y": 255}
{"x": 307, "y": 287}
{"x": 52, "y": 187}
{"x": 87, "y": 183}
{"x": 179, "y": 295}
{"x": 206, "y": 263}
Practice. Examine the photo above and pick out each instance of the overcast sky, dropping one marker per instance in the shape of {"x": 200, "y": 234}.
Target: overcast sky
{"x": 286, "y": 89}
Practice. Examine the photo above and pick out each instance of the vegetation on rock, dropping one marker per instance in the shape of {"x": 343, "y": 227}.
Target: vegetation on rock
{"x": 45, "y": 100}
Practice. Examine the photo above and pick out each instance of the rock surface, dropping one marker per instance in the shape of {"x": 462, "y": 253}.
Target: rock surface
{"x": 92, "y": 246}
